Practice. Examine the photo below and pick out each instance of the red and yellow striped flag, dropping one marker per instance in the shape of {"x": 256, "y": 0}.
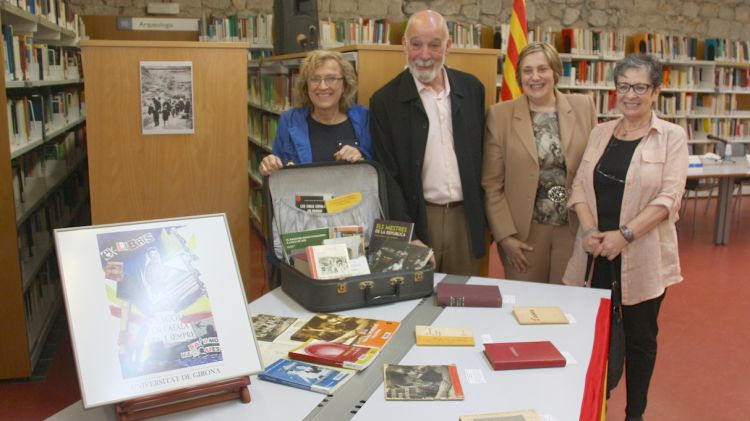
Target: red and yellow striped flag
{"x": 516, "y": 43}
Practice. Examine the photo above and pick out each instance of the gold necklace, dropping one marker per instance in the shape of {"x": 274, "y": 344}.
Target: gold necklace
{"x": 625, "y": 131}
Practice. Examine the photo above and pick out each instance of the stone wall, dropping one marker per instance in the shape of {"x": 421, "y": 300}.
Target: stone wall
{"x": 713, "y": 18}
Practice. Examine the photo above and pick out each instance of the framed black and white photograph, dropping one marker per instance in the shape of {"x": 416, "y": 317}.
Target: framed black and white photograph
{"x": 154, "y": 306}
{"x": 167, "y": 97}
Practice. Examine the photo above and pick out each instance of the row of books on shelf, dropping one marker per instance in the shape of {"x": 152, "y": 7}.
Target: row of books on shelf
{"x": 340, "y": 32}
{"x": 27, "y": 60}
{"x": 732, "y": 78}
{"x": 31, "y": 117}
{"x": 262, "y": 127}
{"x": 691, "y": 105}
{"x": 41, "y": 168}
{"x": 255, "y": 29}
{"x": 57, "y": 12}
{"x": 607, "y": 44}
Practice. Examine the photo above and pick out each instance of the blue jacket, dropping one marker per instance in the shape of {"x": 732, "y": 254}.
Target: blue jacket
{"x": 292, "y": 142}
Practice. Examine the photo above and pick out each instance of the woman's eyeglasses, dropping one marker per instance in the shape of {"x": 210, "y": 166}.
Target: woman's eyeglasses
{"x": 329, "y": 80}
{"x": 638, "y": 88}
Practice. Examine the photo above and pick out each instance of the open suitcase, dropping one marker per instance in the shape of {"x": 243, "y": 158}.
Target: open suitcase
{"x": 336, "y": 178}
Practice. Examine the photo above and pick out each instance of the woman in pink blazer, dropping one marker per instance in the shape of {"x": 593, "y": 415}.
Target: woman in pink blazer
{"x": 533, "y": 146}
{"x": 627, "y": 197}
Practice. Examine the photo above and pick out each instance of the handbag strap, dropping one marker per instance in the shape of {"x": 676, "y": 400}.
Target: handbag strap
{"x": 589, "y": 270}
{"x": 616, "y": 290}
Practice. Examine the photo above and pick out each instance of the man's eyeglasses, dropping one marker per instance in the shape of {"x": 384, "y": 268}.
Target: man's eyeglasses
{"x": 329, "y": 80}
{"x": 638, "y": 88}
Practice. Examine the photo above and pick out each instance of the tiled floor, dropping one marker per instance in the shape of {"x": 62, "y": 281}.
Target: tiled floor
{"x": 702, "y": 367}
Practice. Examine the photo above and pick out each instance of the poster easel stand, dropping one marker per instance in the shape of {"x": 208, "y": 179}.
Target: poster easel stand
{"x": 183, "y": 399}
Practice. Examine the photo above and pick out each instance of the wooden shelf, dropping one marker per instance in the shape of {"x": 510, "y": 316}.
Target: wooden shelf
{"x": 41, "y": 190}
{"x": 256, "y": 142}
{"x": 37, "y": 339}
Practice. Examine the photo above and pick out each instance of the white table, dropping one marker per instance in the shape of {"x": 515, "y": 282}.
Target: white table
{"x": 554, "y": 391}
{"x": 726, "y": 173}
{"x": 550, "y": 391}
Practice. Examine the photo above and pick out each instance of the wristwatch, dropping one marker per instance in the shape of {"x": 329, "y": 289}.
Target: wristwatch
{"x": 627, "y": 233}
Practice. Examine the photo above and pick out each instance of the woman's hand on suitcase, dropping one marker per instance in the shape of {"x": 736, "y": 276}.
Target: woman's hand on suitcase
{"x": 269, "y": 164}
{"x": 348, "y": 153}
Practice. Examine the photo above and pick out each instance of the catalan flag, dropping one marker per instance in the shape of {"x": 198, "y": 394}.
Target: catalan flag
{"x": 516, "y": 43}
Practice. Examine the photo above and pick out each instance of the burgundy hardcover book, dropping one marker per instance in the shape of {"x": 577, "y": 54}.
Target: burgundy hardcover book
{"x": 463, "y": 295}
{"x": 514, "y": 355}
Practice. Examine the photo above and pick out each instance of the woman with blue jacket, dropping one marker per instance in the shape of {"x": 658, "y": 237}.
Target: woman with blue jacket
{"x": 328, "y": 126}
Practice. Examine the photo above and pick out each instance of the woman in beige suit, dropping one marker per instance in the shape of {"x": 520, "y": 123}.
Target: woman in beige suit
{"x": 533, "y": 146}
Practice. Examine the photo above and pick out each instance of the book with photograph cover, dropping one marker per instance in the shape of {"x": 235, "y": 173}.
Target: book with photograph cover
{"x": 347, "y": 330}
{"x": 268, "y": 327}
{"x": 271, "y": 351}
{"x": 465, "y": 295}
{"x": 422, "y": 382}
{"x": 353, "y": 244}
{"x": 386, "y": 228}
{"x": 516, "y": 355}
{"x": 154, "y": 306}
{"x": 315, "y": 351}
{"x": 306, "y": 376}
{"x": 394, "y": 255}
{"x": 328, "y": 261}
{"x": 526, "y": 415}
{"x": 527, "y": 315}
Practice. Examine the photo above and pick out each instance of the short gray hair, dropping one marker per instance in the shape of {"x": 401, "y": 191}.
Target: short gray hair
{"x": 646, "y": 62}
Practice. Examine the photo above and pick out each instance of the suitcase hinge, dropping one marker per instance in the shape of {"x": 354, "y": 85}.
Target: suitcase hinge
{"x": 366, "y": 284}
{"x": 341, "y": 288}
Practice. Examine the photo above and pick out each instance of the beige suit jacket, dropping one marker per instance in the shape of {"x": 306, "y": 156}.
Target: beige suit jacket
{"x": 510, "y": 173}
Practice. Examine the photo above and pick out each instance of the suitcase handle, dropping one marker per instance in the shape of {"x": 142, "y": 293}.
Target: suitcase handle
{"x": 384, "y": 299}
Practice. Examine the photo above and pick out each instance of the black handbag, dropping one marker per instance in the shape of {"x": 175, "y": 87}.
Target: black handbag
{"x": 616, "y": 358}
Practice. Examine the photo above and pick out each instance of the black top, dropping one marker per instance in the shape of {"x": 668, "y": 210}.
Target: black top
{"x": 327, "y": 139}
{"x": 609, "y": 181}
{"x": 609, "y": 186}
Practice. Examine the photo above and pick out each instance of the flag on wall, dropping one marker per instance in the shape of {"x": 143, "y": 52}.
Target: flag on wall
{"x": 516, "y": 43}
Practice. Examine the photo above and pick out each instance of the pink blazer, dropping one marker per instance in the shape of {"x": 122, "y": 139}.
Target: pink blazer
{"x": 656, "y": 177}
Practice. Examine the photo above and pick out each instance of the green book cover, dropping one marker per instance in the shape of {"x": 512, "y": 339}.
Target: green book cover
{"x": 301, "y": 239}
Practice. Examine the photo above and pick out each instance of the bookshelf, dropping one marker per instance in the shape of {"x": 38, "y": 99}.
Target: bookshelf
{"x": 270, "y": 82}
{"x": 43, "y": 178}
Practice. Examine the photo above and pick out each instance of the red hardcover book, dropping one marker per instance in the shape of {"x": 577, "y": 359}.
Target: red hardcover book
{"x": 515, "y": 355}
{"x": 463, "y": 295}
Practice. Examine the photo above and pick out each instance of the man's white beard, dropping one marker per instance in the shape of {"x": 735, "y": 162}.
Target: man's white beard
{"x": 425, "y": 76}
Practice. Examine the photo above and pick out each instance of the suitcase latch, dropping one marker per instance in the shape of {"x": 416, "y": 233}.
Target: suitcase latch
{"x": 341, "y": 288}
{"x": 366, "y": 284}
{"x": 397, "y": 280}
{"x": 418, "y": 276}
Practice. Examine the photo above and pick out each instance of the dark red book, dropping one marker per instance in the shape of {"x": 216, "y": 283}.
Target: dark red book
{"x": 514, "y": 355}
{"x": 463, "y": 295}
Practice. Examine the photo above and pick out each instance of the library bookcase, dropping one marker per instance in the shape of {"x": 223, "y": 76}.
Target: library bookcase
{"x": 43, "y": 179}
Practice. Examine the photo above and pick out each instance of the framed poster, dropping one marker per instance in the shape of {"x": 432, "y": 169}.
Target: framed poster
{"x": 154, "y": 306}
{"x": 167, "y": 97}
